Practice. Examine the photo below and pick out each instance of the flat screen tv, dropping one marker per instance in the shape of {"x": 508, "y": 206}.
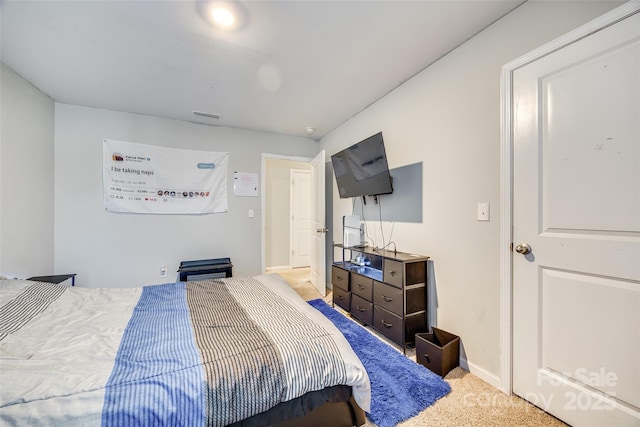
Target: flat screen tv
{"x": 362, "y": 169}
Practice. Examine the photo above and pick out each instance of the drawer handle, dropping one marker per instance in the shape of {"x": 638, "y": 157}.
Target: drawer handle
{"x": 360, "y": 286}
{"x": 386, "y": 298}
{"x": 387, "y": 324}
{"x": 392, "y": 273}
{"x": 339, "y": 278}
{"x": 360, "y": 308}
{"x": 426, "y": 356}
{"x": 340, "y": 297}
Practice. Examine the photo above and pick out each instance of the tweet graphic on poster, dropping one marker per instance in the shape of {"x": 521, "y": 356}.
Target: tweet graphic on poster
{"x": 139, "y": 178}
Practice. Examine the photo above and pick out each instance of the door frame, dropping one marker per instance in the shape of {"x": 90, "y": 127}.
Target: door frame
{"x": 263, "y": 189}
{"x": 506, "y": 174}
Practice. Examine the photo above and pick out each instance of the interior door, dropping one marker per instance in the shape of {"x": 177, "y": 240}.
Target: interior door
{"x": 576, "y": 228}
{"x": 300, "y": 218}
{"x": 318, "y": 228}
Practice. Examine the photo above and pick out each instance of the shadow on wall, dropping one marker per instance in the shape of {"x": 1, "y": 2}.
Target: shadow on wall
{"x": 432, "y": 306}
{"x": 403, "y": 205}
{"x": 432, "y": 294}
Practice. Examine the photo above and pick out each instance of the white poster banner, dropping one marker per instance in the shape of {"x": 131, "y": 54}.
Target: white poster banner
{"x": 142, "y": 178}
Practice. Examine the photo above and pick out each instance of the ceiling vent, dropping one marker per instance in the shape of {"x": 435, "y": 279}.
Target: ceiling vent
{"x": 208, "y": 115}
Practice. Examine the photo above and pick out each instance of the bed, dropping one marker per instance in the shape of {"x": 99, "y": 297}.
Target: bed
{"x": 235, "y": 351}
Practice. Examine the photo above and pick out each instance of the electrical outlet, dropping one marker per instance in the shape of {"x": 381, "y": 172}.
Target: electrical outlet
{"x": 163, "y": 271}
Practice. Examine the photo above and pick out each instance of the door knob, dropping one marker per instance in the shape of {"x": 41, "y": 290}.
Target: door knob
{"x": 322, "y": 230}
{"x": 523, "y": 248}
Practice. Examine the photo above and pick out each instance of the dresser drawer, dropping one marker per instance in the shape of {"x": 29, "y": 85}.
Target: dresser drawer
{"x": 340, "y": 277}
{"x": 392, "y": 273}
{"x": 342, "y": 298}
{"x": 388, "y": 297}
{"x": 438, "y": 351}
{"x": 361, "y": 309}
{"x": 362, "y": 286}
{"x": 388, "y": 323}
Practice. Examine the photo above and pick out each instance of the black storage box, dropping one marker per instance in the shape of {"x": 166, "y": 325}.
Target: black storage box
{"x": 439, "y": 351}
{"x": 205, "y": 269}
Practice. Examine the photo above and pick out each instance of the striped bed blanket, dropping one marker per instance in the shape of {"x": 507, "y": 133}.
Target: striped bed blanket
{"x": 190, "y": 353}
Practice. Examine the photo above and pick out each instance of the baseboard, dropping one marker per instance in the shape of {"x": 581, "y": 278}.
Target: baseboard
{"x": 481, "y": 373}
{"x": 278, "y": 268}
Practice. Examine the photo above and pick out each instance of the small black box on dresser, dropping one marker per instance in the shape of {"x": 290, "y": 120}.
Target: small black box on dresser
{"x": 439, "y": 351}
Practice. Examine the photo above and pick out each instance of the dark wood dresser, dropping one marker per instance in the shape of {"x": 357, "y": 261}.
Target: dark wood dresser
{"x": 384, "y": 289}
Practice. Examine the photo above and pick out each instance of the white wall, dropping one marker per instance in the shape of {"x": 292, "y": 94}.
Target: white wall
{"x": 123, "y": 250}
{"x": 26, "y": 178}
{"x": 278, "y": 210}
{"x": 447, "y": 116}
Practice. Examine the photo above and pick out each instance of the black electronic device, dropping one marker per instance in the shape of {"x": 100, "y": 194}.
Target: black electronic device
{"x": 204, "y": 269}
{"x": 362, "y": 169}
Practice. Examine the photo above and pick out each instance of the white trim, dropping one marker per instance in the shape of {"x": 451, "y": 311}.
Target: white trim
{"x": 505, "y": 381}
{"x": 291, "y": 216}
{"x": 263, "y": 170}
{"x": 278, "y": 268}
{"x": 483, "y": 374}
{"x": 506, "y": 232}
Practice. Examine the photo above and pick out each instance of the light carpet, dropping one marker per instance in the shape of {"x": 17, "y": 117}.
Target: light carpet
{"x": 472, "y": 402}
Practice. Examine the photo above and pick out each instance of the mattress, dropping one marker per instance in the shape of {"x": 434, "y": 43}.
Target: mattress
{"x": 189, "y": 353}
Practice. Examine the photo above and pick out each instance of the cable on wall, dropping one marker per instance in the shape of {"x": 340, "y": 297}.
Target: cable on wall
{"x": 366, "y": 227}
{"x": 391, "y": 242}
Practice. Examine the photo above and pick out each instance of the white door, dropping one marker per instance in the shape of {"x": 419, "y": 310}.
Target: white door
{"x": 300, "y": 217}
{"x": 576, "y": 205}
{"x": 318, "y": 229}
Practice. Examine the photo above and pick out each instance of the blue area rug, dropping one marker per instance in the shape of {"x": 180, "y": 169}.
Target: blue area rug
{"x": 400, "y": 388}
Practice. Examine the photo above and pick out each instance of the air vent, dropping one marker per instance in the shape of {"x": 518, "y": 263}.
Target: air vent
{"x": 209, "y": 115}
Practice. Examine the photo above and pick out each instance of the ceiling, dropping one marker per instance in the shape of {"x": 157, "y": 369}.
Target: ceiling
{"x": 293, "y": 64}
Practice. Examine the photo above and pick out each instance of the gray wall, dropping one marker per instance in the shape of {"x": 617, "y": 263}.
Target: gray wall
{"x": 448, "y": 118}
{"x": 26, "y": 178}
{"x": 122, "y": 250}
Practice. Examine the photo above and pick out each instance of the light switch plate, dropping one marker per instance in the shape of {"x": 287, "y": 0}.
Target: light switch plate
{"x": 483, "y": 211}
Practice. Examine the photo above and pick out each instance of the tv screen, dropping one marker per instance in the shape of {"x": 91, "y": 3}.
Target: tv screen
{"x": 362, "y": 170}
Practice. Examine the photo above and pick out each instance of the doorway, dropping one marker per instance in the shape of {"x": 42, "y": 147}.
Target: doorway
{"x": 300, "y": 196}
{"x": 278, "y": 201}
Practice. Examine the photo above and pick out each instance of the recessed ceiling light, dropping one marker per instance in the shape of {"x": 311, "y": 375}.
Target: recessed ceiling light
{"x": 222, "y": 16}
{"x": 309, "y": 130}
{"x": 225, "y": 15}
